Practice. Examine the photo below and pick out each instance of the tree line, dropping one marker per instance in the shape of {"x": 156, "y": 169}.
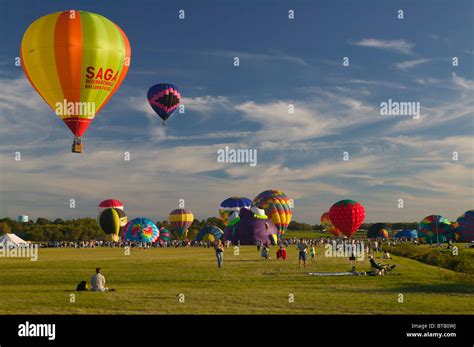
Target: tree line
{"x": 85, "y": 229}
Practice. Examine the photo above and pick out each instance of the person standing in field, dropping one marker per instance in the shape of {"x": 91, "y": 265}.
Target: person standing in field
{"x": 313, "y": 253}
{"x": 219, "y": 248}
{"x": 303, "y": 249}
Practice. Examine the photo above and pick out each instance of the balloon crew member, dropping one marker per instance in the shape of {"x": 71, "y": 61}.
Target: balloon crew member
{"x": 219, "y": 248}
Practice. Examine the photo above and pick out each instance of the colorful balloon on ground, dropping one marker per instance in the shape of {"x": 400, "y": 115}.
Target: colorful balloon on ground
{"x": 164, "y": 235}
{"x": 209, "y": 233}
{"x": 109, "y": 203}
{"x": 465, "y": 226}
{"x": 164, "y": 99}
{"x": 327, "y": 224}
{"x": 140, "y": 230}
{"x": 76, "y": 61}
{"x": 434, "y": 229}
{"x": 378, "y": 230}
{"x": 180, "y": 220}
{"x": 110, "y": 222}
{"x": 233, "y": 204}
{"x": 347, "y": 216}
{"x": 278, "y": 207}
{"x": 251, "y": 226}
{"x": 407, "y": 234}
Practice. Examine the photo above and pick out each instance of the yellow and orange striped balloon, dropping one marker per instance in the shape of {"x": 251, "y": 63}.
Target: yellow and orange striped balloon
{"x": 75, "y": 60}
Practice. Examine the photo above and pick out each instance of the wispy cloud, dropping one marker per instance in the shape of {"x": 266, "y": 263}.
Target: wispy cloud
{"x": 408, "y": 64}
{"x": 397, "y": 46}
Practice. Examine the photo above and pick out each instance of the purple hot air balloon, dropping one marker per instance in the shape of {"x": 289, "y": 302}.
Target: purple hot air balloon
{"x": 251, "y": 226}
{"x": 164, "y": 99}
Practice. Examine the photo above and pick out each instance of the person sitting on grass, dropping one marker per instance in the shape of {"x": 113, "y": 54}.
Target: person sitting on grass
{"x": 98, "y": 282}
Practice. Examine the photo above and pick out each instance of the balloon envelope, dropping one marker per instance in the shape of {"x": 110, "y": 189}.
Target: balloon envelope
{"x": 78, "y": 59}
{"x": 251, "y": 227}
{"x": 164, "y": 235}
{"x": 209, "y": 233}
{"x": 110, "y": 221}
{"x": 328, "y": 226}
{"x": 164, "y": 99}
{"x": 378, "y": 230}
{"x": 140, "y": 230}
{"x": 465, "y": 226}
{"x": 180, "y": 220}
{"x": 347, "y": 216}
{"x": 434, "y": 228}
{"x": 232, "y": 204}
{"x": 407, "y": 234}
{"x": 278, "y": 207}
{"x": 108, "y": 204}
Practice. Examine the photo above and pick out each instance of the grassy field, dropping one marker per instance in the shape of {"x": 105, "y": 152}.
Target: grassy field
{"x": 150, "y": 282}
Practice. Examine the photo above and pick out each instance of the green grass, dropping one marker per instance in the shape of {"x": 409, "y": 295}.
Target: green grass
{"x": 149, "y": 282}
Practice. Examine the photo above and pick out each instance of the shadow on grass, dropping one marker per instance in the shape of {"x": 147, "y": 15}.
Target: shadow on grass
{"x": 446, "y": 288}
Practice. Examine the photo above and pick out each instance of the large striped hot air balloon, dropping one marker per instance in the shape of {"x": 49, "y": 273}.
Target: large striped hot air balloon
{"x": 164, "y": 99}
{"x": 140, "y": 230}
{"x": 76, "y": 61}
{"x": 328, "y": 226}
{"x": 232, "y": 204}
{"x": 209, "y": 233}
{"x": 180, "y": 220}
{"x": 278, "y": 207}
{"x": 347, "y": 216}
{"x": 434, "y": 229}
{"x": 465, "y": 226}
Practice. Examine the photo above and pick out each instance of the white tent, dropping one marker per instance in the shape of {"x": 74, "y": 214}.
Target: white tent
{"x": 11, "y": 240}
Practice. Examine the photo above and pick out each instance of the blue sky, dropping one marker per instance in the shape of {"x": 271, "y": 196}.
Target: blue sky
{"x": 282, "y": 62}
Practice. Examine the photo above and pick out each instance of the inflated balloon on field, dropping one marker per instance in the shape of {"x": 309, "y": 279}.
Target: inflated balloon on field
{"x": 250, "y": 227}
{"x": 328, "y": 226}
{"x": 76, "y": 61}
{"x": 278, "y": 207}
{"x": 111, "y": 221}
{"x": 465, "y": 226}
{"x": 406, "y": 234}
{"x": 378, "y": 230}
{"x": 232, "y": 204}
{"x": 347, "y": 216}
{"x": 140, "y": 230}
{"x": 164, "y": 235}
{"x": 434, "y": 228}
{"x": 209, "y": 233}
{"x": 180, "y": 221}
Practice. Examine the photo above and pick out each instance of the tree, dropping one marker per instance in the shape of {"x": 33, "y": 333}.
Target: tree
{"x": 5, "y": 228}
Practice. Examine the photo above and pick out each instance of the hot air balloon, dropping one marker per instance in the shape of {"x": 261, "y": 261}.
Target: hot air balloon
{"x": 164, "y": 99}
{"x": 250, "y": 227}
{"x": 111, "y": 221}
{"x": 278, "y": 207}
{"x": 180, "y": 220}
{"x": 109, "y": 203}
{"x": 327, "y": 224}
{"x": 434, "y": 228}
{"x": 209, "y": 233}
{"x": 140, "y": 230}
{"x": 347, "y": 216}
{"x": 76, "y": 61}
{"x": 465, "y": 226}
{"x": 378, "y": 230}
{"x": 233, "y": 204}
{"x": 164, "y": 235}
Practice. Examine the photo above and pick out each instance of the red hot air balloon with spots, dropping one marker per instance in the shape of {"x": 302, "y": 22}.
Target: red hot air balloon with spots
{"x": 347, "y": 216}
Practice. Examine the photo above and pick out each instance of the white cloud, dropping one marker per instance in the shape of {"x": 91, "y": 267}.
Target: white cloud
{"x": 408, "y": 64}
{"x": 462, "y": 83}
{"x": 398, "y": 46}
